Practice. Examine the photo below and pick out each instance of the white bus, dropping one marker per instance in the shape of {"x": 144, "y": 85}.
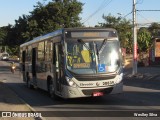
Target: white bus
{"x": 74, "y": 62}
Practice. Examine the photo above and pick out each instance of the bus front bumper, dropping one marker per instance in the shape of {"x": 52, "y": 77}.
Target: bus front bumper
{"x": 71, "y": 92}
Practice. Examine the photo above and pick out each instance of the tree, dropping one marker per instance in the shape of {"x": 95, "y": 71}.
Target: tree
{"x": 43, "y": 19}
{"x": 123, "y": 27}
{"x": 143, "y": 39}
{"x": 54, "y": 15}
{"x": 111, "y": 21}
{"x": 3, "y": 34}
{"x": 154, "y": 29}
{"x": 21, "y": 25}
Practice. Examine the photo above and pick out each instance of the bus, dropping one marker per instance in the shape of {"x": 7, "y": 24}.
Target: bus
{"x": 74, "y": 62}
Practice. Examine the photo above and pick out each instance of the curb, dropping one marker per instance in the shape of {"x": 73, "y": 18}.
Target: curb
{"x": 30, "y": 108}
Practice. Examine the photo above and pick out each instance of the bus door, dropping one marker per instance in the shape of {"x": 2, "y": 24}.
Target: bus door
{"x": 23, "y": 65}
{"x": 34, "y": 64}
{"x": 57, "y": 67}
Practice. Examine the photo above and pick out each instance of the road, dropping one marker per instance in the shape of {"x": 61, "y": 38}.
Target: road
{"x": 135, "y": 99}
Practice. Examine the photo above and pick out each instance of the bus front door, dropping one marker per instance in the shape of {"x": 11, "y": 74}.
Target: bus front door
{"x": 57, "y": 67}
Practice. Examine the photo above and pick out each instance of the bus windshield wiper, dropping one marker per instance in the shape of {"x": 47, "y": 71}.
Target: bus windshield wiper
{"x": 98, "y": 52}
{"x": 102, "y": 46}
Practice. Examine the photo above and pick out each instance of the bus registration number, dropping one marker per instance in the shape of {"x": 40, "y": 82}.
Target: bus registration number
{"x": 97, "y": 94}
{"x": 108, "y": 83}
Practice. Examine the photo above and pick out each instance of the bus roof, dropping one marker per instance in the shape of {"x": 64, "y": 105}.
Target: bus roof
{"x": 43, "y": 37}
{"x": 59, "y": 32}
{"x": 88, "y": 28}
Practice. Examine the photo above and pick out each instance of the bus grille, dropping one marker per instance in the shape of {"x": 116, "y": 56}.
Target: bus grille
{"x": 94, "y": 78}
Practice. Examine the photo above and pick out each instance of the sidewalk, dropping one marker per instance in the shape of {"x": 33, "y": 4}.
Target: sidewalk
{"x": 144, "y": 73}
{"x": 146, "y": 77}
{"x": 10, "y": 102}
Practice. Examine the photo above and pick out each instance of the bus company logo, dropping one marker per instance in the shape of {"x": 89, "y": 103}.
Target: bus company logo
{"x": 97, "y": 83}
{"x": 86, "y": 84}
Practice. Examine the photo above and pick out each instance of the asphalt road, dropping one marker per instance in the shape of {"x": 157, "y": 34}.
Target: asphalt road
{"x": 135, "y": 99}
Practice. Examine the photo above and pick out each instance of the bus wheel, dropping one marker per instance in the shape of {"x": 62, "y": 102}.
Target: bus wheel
{"x": 29, "y": 85}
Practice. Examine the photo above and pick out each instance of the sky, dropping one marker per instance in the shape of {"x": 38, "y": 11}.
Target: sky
{"x": 10, "y": 10}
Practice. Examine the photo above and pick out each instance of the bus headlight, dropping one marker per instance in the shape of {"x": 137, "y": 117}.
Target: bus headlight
{"x": 120, "y": 78}
{"x": 70, "y": 82}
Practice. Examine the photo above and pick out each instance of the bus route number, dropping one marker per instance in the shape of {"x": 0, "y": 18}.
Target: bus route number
{"x": 108, "y": 83}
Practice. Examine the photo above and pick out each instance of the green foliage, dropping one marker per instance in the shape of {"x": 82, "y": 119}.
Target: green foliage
{"x": 54, "y": 15}
{"x": 144, "y": 39}
{"x": 3, "y": 34}
{"x": 154, "y": 29}
{"x": 58, "y": 14}
{"x": 123, "y": 27}
{"x": 13, "y": 50}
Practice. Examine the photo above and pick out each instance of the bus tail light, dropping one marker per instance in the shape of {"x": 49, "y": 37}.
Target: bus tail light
{"x": 70, "y": 82}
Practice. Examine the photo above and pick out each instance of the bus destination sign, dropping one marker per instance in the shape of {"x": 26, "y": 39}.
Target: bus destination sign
{"x": 94, "y": 34}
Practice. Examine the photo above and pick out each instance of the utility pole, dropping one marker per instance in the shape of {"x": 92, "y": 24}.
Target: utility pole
{"x": 134, "y": 39}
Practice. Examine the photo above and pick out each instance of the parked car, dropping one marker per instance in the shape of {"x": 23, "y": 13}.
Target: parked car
{"x": 5, "y": 56}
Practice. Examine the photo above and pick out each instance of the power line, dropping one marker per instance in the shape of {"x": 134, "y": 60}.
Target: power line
{"x": 127, "y": 14}
{"x": 148, "y": 10}
{"x": 99, "y": 8}
{"x": 144, "y": 17}
{"x": 102, "y": 6}
{"x": 146, "y": 24}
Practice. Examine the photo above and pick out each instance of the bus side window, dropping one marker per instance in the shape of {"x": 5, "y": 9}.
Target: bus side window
{"x": 54, "y": 53}
{"x": 48, "y": 55}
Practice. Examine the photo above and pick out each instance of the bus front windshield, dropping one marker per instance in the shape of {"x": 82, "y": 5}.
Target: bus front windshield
{"x": 92, "y": 57}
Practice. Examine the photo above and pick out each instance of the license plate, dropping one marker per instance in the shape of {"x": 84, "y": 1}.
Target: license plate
{"x": 98, "y": 94}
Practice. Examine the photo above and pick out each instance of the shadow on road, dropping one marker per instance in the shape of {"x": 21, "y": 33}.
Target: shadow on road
{"x": 40, "y": 98}
{"x": 7, "y": 95}
{"x": 128, "y": 98}
{"x": 150, "y": 84}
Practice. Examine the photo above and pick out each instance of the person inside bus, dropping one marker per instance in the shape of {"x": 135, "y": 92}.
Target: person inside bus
{"x": 85, "y": 54}
{"x": 78, "y": 53}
